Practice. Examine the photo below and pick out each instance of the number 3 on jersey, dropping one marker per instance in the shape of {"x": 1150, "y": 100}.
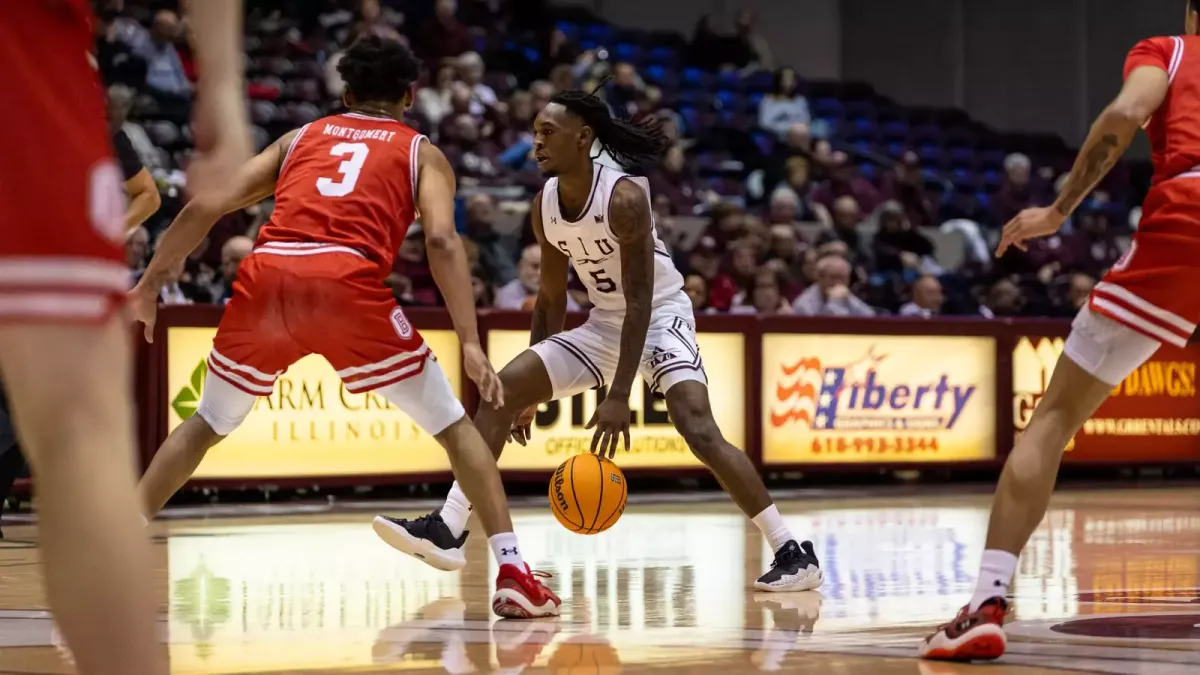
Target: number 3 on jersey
{"x": 349, "y": 169}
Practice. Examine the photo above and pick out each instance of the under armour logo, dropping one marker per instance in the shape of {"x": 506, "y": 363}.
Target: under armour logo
{"x": 508, "y": 551}
{"x": 553, "y": 220}
{"x": 600, "y": 219}
{"x": 470, "y": 508}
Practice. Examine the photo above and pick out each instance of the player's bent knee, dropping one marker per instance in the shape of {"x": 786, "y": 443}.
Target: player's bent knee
{"x": 223, "y": 406}
{"x": 1105, "y": 349}
{"x": 427, "y": 398}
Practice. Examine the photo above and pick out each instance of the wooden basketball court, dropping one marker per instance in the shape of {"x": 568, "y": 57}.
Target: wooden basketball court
{"x": 1110, "y": 584}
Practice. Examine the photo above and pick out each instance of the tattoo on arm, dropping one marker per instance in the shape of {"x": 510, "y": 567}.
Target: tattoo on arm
{"x": 1094, "y": 162}
{"x": 630, "y": 220}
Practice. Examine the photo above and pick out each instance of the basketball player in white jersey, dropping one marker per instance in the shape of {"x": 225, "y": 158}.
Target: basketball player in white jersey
{"x": 599, "y": 220}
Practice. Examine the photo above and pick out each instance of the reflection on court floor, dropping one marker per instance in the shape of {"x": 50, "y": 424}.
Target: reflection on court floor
{"x": 1109, "y": 584}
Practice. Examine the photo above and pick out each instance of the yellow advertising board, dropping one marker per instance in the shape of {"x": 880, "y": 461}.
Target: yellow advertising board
{"x": 832, "y": 399}
{"x": 310, "y": 425}
{"x": 559, "y": 428}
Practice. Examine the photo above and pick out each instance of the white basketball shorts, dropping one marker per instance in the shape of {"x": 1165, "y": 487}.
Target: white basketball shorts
{"x": 1108, "y": 350}
{"x": 586, "y": 357}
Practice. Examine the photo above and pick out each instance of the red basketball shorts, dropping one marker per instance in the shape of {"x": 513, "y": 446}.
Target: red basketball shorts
{"x": 292, "y": 300}
{"x": 1152, "y": 288}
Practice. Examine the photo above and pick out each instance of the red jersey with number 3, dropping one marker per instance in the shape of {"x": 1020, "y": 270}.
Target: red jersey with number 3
{"x": 347, "y": 180}
{"x": 1151, "y": 289}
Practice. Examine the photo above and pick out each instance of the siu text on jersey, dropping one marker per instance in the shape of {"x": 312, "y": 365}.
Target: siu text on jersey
{"x": 359, "y": 134}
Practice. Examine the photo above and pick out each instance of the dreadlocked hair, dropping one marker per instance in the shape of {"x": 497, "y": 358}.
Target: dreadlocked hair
{"x": 378, "y": 69}
{"x": 633, "y": 144}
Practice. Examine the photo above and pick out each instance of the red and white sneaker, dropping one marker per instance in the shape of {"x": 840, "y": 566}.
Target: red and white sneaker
{"x": 972, "y": 636}
{"x": 520, "y": 594}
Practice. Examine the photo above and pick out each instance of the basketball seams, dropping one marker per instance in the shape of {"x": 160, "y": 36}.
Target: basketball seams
{"x": 576, "y": 494}
{"x": 620, "y": 505}
{"x": 600, "y": 497}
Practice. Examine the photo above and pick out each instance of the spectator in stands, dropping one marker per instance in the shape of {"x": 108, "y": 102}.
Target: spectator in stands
{"x": 115, "y": 59}
{"x": 796, "y": 149}
{"x": 137, "y": 244}
{"x": 165, "y": 77}
{"x": 696, "y": 288}
{"x": 905, "y": 184}
{"x": 497, "y": 252}
{"x": 1079, "y": 288}
{"x": 1016, "y": 191}
{"x": 472, "y": 69}
{"x": 233, "y": 253}
{"x": 927, "y": 299}
{"x": 443, "y": 36}
{"x": 898, "y": 247}
{"x": 785, "y": 207}
{"x": 847, "y": 219}
{"x": 140, "y": 189}
{"x": 755, "y": 46}
{"x": 433, "y": 102}
{"x": 845, "y": 181}
{"x": 790, "y": 253}
{"x": 560, "y": 51}
{"x": 674, "y": 181}
{"x": 541, "y": 90}
{"x": 763, "y": 296}
{"x": 783, "y": 106}
{"x": 625, "y": 90}
{"x": 475, "y": 159}
{"x": 520, "y": 293}
{"x": 831, "y": 295}
{"x": 736, "y": 277}
{"x": 1004, "y": 299}
{"x": 727, "y": 223}
{"x": 705, "y": 260}
{"x": 373, "y": 21}
{"x": 413, "y": 281}
{"x": 1093, "y": 246}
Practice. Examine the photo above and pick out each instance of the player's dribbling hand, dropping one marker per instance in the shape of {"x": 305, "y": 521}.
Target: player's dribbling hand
{"x": 143, "y": 308}
{"x": 480, "y": 370}
{"x": 611, "y": 421}
{"x": 522, "y": 429}
{"x": 1029, "y": 224}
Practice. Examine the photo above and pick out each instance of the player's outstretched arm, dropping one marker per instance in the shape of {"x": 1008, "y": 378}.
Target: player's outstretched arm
{"x": 252, "y": 183}
{"x": 550, "y": 307}
{"x": 220, "y": 124}
{"x": 629, "y": 216}
{"x": 448, "y": 262}
{"x": 1112, "y": 132}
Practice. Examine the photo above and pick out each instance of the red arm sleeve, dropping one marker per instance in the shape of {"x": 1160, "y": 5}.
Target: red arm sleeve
{"x": 1159, "y": 52}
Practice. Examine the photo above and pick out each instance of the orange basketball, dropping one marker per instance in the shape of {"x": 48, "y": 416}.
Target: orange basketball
{"x": 584, "y": 655}
{"x": 587, "y": 494}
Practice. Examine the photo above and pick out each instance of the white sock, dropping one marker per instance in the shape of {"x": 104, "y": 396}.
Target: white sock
{"x": 995, "y": 574}
{"x": 504, "y": 547}
{"x": 771, "y": 524}
{"x": 456, "y": 511}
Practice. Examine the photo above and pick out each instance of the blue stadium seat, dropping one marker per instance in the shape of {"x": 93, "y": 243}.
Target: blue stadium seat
{"x": 627, "y": 52}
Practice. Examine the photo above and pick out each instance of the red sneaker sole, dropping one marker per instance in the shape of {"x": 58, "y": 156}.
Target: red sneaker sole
{"x": 982, "y": 648}
{"x": 509, "y": 610}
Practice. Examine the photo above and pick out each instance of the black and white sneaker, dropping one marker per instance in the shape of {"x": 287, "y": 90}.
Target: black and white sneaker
{"x": 795, "y": 568}
{"x": 427, "y": 538}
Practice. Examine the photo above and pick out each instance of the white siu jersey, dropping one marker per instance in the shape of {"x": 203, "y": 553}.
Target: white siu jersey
{"x": 592, "y": 247}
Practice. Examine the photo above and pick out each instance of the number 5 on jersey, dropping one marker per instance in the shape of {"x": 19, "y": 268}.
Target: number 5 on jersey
{"x": 349, "y": 169}
{"x": 603, "y": 283}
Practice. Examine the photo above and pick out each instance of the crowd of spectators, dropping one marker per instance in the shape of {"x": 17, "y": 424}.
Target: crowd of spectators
{"x": 793, "y": 226}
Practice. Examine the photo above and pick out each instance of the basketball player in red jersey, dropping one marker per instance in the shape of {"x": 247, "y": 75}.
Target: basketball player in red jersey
{"x": 64, "y": 349}
{"x": 346, "y": 188}
{"x": 1148, "y": 298}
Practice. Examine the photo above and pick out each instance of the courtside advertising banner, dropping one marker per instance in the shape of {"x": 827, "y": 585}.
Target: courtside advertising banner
{"x": 859, "y": 399}
{"x": 310, "y": 426}
{"x": 559, "y": 432}
{"x": 1154, "y": 415}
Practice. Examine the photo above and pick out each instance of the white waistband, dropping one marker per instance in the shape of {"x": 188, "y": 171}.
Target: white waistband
{"x": 293, "y": 248}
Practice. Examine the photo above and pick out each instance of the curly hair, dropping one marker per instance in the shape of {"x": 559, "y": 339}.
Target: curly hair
{"x": 379, "y": 69}
{"x": 633, "y": 144}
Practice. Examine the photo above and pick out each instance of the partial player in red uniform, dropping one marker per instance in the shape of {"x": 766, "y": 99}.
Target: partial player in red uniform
{"x": 346, "y": 188}
{"x": 64, "y": 348}
{"x": 1148, "y": 298}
